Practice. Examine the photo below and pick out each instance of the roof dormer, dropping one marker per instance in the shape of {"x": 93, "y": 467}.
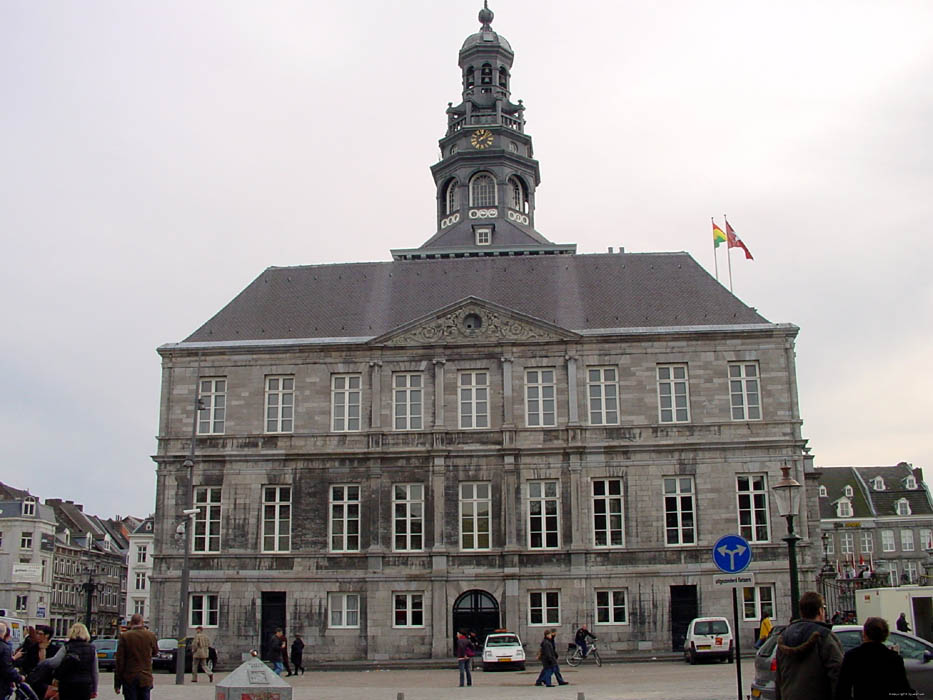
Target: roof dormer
{"x": 848, "y": 491}
{"x": 910, "y": 483}
{"x": 902, "y": 507}
{"x": 843, "y": 508}
{"x": 29, "y": 507}
{"x": 877, "y": 483}
{"x": 823, "y": 492}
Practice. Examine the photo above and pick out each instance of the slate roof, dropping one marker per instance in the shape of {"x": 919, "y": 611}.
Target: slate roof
{"x": 867, "y": 502}
{"x": 575, "y": 292}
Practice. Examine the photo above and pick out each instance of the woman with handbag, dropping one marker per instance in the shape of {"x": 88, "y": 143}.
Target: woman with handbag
{"x": 76, "y": 676}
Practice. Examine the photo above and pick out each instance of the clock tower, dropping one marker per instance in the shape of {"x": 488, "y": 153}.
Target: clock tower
{"x": 487, "y": 175}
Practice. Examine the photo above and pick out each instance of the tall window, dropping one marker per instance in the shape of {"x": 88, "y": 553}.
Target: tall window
{"x": 843, "y": 508}
{"x": 846, "y": 543}
{"x": 608, "y": 527}
{"x": 503, "y": 77}
{"x": 903, "y": 507}
{"x": 450, "y": 197}
{"x": 207, "y": 520}
{"x": 142, "y": 552}
{"x": 280, "y": 404}
{"x": 140, "y": 581}
{"x": 887, "y": 541}
{"x": 539, "y": 397}
{"x": 345, "y": 401}
{"x": 543, "y": 520}
{"x": 544, "y": 608}
{"x": 25, "y": 540}
{"x": 758, "y": 601}
{"x": 673, "y": 394}
{"x": 907, "y": 540}
{"x": 603, "y": 394}
{"x": 612, "y": 607}
{"x": 518, "y": 200}
{"x": 344, "y": 609}
{"x": 408, "y": 517}
{"x": 407, "y": 401}
{"x": 475, "y": 506}
{"x": 926, "y": 539}
{"x": 22, "y": 602}
{"x": 213, "y": 403}
{"x": 29, "y": 506}
{"x": 474, "y": 399}
{"x": 203, "y": 610}
{"x": 752, "y": 490}
{"x": 911, "y": 571}
{"x": 276, "y": 518}
{"x": 743, "y": 391}
{"x": 829, "y": 545}
{"x": 345, "y": 518}
{"x": 866, "y": 545}
{"x": 482, "y": 191}
{"x": 679, "y": 514}
{"x": 409, "y": 610}
{"x": 139, "y": 606}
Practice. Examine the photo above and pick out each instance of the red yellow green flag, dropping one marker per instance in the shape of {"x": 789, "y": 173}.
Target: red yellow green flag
{"x": 718, "y": 236}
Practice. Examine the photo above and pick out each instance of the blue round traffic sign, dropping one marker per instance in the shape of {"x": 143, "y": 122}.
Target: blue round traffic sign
{"x": 732, "y": 554}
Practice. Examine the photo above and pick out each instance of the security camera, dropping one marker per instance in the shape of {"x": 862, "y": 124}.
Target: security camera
{"x": 191, "y": 511}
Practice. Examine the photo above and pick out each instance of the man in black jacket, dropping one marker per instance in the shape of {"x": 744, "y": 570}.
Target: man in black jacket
{"x": 809, "y": 655}
{"x": 872, "y": 671}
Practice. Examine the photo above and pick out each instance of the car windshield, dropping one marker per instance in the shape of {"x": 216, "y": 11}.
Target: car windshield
{"x": 711, "y": 627}
{"x": 508, "y": 640}
{"x": 910, "y": 648}
{"x": 168, "y": 644}
{"x": 105, "y": 643}
{"x": 849, "y": 638}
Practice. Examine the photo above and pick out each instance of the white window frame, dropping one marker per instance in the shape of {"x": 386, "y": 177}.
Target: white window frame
{"x": 203, "y": 610}
{"x": 602, "y": 395}
{"x": 910, "y": 483}
{"x": 140, "y": 581}
{"x": 830, "y": 547}
{"x": 757, "y": 601}
{"x": 907, "y": 540}
{"x": 343, "y": 610}
{"x": 29, "y": 507}
{"x": 756, "y": 507}
{"x": 22, "y": 602}
{"x": 540, "y": 397}
{"x": 843, "y": 508}
{"x": 475, "y": 515}
{"x": 544, "y": 514}
{"x": 866, "y": 542}
{"x": 206, "y": 535}
{"x": 673, "y": 393}
{"x": 926, "y": 539}
{"x": 823, "y": 492}
{"x": 408, "y": 517}
{"x": 912, "y": 570}
{"x": 608, "y": 496}
{"x": 846, "y": 543}
{"x": 543, "y": 608}
{"x": 139, "y": 606}
{"x": 346, "y": 400}
{"x": 518, "y": 199}
{"x": 745, "y": 391}
{"x": 25, "y": 540}
{"x": 877, "y": 483}
{"x": 142, "y": 553}
{"x": 408, "y": 401}
{"x": 848, "y": 491}
{"x": 484, "y": 235}
{"x": 409, "y": 605}
{"x": 346, "y": 498}
{"x": 450, "y": 196}
{"x": 679, "y": 494}
{"x": 611, "y": 607}
{"x": 474, "y": 198}
{"x": 902, "y": 507}
{"x": 212, "y": 403}
{"x": 888, "y": 541}
{"x": 276, "y": 519}
{"x": 473, "y": 399}
{"x": 280, "y": 403}
{"x": 892, "y": 574}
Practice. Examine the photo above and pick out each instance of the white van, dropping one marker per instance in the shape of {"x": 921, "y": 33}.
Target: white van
{"x": 17, "y": 629}
{"x": 709, "y": 638}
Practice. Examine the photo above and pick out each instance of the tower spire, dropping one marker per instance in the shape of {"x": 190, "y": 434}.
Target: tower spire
{"x": 485, "y": 16}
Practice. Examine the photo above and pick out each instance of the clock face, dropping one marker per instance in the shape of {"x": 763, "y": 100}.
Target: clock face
{"x": 481, "y": 138}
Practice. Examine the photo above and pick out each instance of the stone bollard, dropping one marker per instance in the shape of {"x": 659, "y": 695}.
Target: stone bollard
{"x": 400, "y": 696}
{"x": 581, "y": 696}
{"x": 252, "y": 679}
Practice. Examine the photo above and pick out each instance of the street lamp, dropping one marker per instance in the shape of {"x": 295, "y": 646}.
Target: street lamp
{"x": 787, "y": 497}
{"x": 185, "y": 528}
{"x": 89, "y": 589}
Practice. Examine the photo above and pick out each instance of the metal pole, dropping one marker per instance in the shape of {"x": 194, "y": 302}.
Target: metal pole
{"x": 737, "y": 636}
{"x": 792, "y": 539}
{"x": 89, "y": 587}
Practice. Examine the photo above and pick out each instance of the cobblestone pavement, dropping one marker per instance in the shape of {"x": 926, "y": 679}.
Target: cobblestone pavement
{"x": 623, "y": 681}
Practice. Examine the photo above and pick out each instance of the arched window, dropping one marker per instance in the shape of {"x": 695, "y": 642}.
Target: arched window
{"x": 485, "y": 75}
{"x": 470, "y": 81}
{"x": 518, "y": 198}
{"x": 823, "y": 492}
{"x": 450, "y": 197}
{"x": 482, "y": 191}
{"x": 503, "y": 78}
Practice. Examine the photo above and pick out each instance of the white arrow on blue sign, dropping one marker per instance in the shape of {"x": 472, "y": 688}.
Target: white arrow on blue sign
{"x": 732, "y": 554}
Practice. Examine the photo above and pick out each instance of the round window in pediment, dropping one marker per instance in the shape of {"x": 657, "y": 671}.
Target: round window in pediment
{"x": 472, "y": 322}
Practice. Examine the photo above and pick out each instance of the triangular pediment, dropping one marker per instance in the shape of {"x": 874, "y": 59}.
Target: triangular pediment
{"x": 474, "y": 321}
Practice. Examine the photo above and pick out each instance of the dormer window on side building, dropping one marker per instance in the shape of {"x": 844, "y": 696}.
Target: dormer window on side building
{"x": 483, "y": 236}
{"x": 29, "y": 506}
{"x": 902, "y": 507}
{"x": 910, "y": 483}
{"x": 877, "y": 483}
{"x": 823, "y": 492}
{"x": 843, "y": 508}
{"x": 848, "y": 491}
{"x": 482, "y": 191}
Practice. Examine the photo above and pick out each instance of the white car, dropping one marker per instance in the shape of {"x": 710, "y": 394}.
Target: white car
{"x": 503, "y": 650}
{"x": 709, "y": 638}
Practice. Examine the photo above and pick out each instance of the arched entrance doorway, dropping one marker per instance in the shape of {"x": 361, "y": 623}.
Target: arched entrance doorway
{"x": 475, "y": 611}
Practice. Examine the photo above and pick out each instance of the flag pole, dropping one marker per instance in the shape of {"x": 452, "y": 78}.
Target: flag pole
{"x": 715, "y": 257}
{"x": 728, "y": 252}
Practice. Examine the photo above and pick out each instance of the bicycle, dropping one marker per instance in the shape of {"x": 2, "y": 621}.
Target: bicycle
{"x": 21, "y": 691}
{"x": 575, "y": 656}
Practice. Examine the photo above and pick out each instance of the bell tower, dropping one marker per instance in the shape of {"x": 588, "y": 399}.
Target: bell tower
{"x": 487, "y": 175}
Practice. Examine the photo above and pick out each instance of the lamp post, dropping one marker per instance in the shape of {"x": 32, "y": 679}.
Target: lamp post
{"x": 787, "y": 498}
{"x": 89, "y": 589}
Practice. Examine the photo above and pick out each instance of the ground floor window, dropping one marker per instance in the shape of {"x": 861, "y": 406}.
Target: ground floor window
{"x": 409, "y": 610}
{"x": 612, "y": 607}
{"x": 203, "y": 610}
{"x": 544, "y": 608}
{"x": 758, "y": 602}
{"x": 344, "y": 609}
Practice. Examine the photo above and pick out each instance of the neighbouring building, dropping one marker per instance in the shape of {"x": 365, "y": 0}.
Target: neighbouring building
{"x": 139, "y": 570}
{"x": 27, "y": 535}
{"x": 489, "y": 430}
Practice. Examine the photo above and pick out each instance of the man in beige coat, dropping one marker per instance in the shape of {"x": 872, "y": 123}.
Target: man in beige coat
{"x": 200, "y": 652}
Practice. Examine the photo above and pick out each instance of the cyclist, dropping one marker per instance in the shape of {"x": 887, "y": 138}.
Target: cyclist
{"x": 580, "y": 639}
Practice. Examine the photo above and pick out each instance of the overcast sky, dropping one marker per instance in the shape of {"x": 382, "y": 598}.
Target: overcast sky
{"x": 157, "y": 156}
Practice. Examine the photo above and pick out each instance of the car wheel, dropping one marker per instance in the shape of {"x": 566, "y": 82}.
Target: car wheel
{"x": 693, "y": 658}
{"x": 521, "y": 667}
{"x": 731, "y": 658}
{"x": 485, "y": 668}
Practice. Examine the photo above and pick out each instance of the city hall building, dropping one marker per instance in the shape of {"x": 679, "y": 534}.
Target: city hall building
{"x": 490, "y": 430}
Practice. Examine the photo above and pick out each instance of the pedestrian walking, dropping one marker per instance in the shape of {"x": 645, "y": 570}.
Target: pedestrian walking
{"x": 200, "y": 655}
{"x": 298, "y": 648}
{"x": 465, "y": 653}
{"x": 809, "y": 655}
{"x": 871, "y": 671}
{"x": 133, "y": 667}
{"x": 902, "y": 624}
{"x": 274, "y": 651}
{"x": 284, "y": 651}
{"x": 77, "y": 675}
{"x": 551, "y": 637}
{"x": 548, "y": 657}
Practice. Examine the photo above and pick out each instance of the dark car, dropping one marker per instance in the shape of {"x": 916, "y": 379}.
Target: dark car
{"x": 106, "y": 653}
{"x": 916, "y": 652}
{"x": 168, "y": 650}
